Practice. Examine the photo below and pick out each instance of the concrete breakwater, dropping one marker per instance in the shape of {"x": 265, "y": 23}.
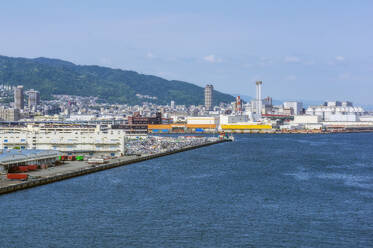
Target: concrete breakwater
{"x": 53, "y": 177}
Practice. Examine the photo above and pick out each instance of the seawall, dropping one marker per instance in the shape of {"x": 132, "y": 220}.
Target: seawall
{"x": 95, "y": 168}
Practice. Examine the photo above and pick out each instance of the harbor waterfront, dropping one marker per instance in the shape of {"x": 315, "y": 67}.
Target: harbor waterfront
{"x": 247, "y": 124}
{"x": 262, "y": 190}
{"x": 78, "y": 168}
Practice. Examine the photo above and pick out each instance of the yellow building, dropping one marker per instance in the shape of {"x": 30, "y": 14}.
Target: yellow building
{"x": 182, "y": 128}
{"x": 246, "y": 127}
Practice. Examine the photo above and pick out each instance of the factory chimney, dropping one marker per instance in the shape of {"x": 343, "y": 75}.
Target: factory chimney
{"x": 259, "y": 98}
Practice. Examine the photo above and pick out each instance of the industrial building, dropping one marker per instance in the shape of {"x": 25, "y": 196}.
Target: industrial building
{"x": 246, "y": 127}
{"x": 202, "y": 123}
{"x": 242, "y": 124}
{"x": 182, "y": 128}
{"x": 230, "y": 119}
{"x": 303, "y": 122}
{"x": 12, "y": 158}
{"x": 308, "y": 119}
{"x": 348, "y": 126}
{"x": 336, "y": 111}
{"x": 66, "y": 138}
{"x": 212, "y": 124}
{"x": 138, "y": 125}
{"x": 201, "y": 120}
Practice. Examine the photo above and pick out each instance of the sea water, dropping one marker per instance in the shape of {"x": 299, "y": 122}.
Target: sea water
{"x": 263, "y": 190}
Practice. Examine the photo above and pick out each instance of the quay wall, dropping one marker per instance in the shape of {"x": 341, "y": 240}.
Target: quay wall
{"x": 95, "y": 168}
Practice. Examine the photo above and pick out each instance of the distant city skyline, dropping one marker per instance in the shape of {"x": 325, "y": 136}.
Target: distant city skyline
{"x": 300, "y": 50}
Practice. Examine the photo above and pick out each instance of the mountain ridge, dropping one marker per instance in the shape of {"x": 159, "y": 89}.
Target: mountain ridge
{"x": 54, "y": 76}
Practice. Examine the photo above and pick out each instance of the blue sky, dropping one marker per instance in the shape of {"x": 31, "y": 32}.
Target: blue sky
{"x": 317, "y": 50}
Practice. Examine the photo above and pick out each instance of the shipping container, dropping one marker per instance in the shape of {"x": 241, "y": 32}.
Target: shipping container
{"x": 96, "y": 161}
{"x": 23, "y": 168}
{"x": 32, "y": 167}
{"x": 64, "y": 158}
{"x": 80, "y": 158}
{"x": 71, "y": 158}
{"x": 17, "y": 176}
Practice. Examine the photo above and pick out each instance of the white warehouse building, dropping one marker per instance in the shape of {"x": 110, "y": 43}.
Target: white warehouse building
{"x": 229, "y": 119}
{"x": 64, "y": 138}
{"x": 211, "y": 120}
{"x": 336, "y": 111}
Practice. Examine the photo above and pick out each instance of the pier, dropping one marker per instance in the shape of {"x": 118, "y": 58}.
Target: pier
{"x": 78, "y": 168}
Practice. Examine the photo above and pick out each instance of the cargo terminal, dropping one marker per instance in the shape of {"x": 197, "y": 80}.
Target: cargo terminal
{"x": 65, "y": 138}
{"x": 21, "y": 168}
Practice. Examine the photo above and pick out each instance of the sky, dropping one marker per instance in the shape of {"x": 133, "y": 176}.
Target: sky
{"x": 314, "y": 50}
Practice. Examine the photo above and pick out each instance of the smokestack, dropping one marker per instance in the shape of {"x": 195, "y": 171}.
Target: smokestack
{"x": 259, "y": 97}
{"x": 238, "y": 104}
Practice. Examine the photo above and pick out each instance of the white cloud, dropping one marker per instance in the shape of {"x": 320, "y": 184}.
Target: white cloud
{"x": 150, "y": 55}
{"x": 212, "y": 59}
{"x": 291, "y": 78}
{"x": 291, "y": 59}
{"x": 336, "y": 61}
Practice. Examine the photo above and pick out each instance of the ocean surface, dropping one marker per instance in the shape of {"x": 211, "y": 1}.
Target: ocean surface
{"x": 259, "y": 191}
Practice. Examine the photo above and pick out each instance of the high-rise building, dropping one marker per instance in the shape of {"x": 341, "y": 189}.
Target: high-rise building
{"x": 267, "y": 101}
{"x": 296, "y": 108}
{"x": 33, "y": 98}
{"x": 208, "y": 96}
{"x": 18, "y": 97}
{"x": 172, "y": 104}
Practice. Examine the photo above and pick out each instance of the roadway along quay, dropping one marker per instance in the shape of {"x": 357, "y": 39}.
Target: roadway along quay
{"x": 69, "y": 169}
